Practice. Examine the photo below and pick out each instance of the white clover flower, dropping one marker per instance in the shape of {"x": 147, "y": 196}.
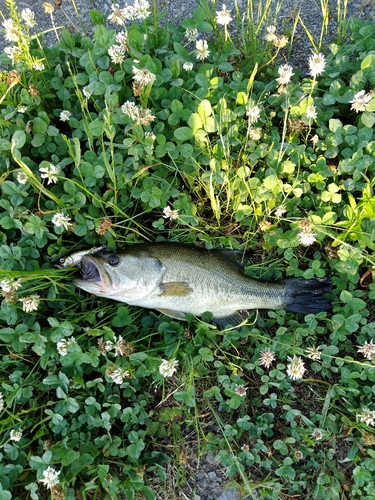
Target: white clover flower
{"x": 266, "y": 357}
{"x": 169, "y": 213}
{"x": 117, "y": 54}
{"x": 6, "y": 285}
{"x": 105, "y": 346}
{"x": 271, "y": 33}
{"x": 130, "y": 109}
{"x": 315, "y": 139}
{"x": 280, "y": 211}
{"x": 60, "y": 219}
{"x": 130, "y": 12}
{"x": 29, "y": 17}
{"x": 1, "y": 401}
{"x": 50, "y": 477}
{"x": 253, "y": 112}
{"x": 118, "y": 346}
{"x": 311, "y": 112}
{"x": 15, "y": 435}
{"x": 122, "y": 39}
{"x": 86, "y": 92}
{"x": 367, "y": 416}
{"x": 65, "y": 115}
{"x": 145, "y": 117}
{"x": 117, "y": 374}
{"x": 22, "y": 109}
{"x": 286, "y": 73}
{"x": 223, "y": 16}
{"x": 48, "y": 7}
{"x": 38, "y": 66}
{"x": 313, "y": 353}
{"x": 360, "y": 101}
{"x": 108, "y": 345}
{"x": 240, "y": 390}
{"x": 188, "y": 66}
{"x": 317, "y": 434}
{"x": 296, "y": 368}
{"x": 280, "y": 41}
{"x": 11, "y": 33}
{"x": 264, "y": 225}
{"x": 10, "y": 285}
{"x": 255, "y": 133}
{"x": 298, "y": 454}
{"x": 141, "y": 9}
{"x": 139, "y": 115}
{"x": 368, "y": 350}
{"x": 317, "y": 64}
{"x": 30, "y": 303}
{"x": 122, "y": 348}
{"x": 118, "y": 15}
{"x": 13, "y": 52}
{"x": 150, "y": 134}
{"x": 191, "y": 34}
{"x": 202, "y": 51}
{"x": 306, "y": 237}
{"x": 63, "y": 345}
{"x": 49, "y": 173}
{"x": 168, "y": 368}
{"x": 143, "y": 76}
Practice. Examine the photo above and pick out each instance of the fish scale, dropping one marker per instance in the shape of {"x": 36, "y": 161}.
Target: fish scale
{"x": 220, "y": 278}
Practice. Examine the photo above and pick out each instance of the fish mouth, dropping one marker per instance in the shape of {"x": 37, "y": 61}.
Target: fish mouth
{"x": 95, "y": 278}
{"x": 90, "y": 271}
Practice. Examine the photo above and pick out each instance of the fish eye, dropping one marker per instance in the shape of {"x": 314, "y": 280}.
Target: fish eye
{"x": 113, "y": 260}
{"x": 61, "y": 260}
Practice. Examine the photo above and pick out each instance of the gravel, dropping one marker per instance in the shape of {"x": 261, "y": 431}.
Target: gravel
{"x": 178, "y": 10}
{"x": 208, "y": 481}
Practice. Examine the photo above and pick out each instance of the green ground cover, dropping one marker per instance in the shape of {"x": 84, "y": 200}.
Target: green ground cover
{"x": 201, "y": 135}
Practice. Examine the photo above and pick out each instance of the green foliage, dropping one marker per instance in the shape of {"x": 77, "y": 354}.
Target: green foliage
{"x": 81, "y": 377}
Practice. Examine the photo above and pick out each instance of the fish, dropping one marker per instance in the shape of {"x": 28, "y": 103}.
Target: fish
{"x": 75, "y": 258}
{"x": 178, "y": 279}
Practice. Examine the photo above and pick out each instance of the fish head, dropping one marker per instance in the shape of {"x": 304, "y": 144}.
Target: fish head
{"x": 124, "y": 277}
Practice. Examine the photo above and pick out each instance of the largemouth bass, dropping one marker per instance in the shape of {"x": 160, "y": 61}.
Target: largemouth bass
{"x": 177, "y": 279}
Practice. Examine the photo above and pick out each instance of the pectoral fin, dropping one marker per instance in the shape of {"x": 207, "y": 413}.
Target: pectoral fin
{"x": 175, "y": 289}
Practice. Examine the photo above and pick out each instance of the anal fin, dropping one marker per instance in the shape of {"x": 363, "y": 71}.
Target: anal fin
{"x": 234, "y": 319}
{"x": 173, "y": 314}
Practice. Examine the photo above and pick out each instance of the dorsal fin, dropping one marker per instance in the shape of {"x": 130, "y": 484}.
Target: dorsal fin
{"x": 239, "y": 257}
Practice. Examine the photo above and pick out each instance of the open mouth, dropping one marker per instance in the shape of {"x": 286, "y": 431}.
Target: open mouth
{"x": 90, "y": 271}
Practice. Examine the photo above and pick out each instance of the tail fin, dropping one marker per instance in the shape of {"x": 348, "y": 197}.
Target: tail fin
{"x": 307, "y": 296}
